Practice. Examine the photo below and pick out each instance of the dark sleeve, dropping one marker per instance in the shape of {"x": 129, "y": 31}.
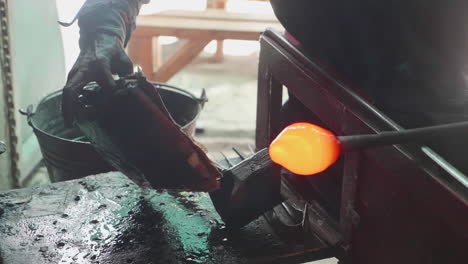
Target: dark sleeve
{"x": 109, "y": 16}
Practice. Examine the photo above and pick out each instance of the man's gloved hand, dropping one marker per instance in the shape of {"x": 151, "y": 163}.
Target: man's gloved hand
{"x": 105, "y": 28}
{"x": 102, "y": 56}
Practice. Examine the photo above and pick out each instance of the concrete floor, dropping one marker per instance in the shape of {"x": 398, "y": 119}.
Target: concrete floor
{"x": 228, "y": 119}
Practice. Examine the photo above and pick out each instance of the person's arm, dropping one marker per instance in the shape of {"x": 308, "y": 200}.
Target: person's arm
{"x": 95, "y": 15}
{"x": 105, "y": 29}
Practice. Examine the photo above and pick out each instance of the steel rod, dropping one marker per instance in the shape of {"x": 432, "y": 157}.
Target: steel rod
{"x": 350, "y": 143}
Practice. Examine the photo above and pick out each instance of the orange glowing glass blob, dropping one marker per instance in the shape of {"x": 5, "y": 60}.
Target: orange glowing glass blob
{"x": 305, "y": 149}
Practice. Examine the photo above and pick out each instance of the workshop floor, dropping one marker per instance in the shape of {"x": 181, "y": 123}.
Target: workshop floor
{"x": 228, "y": 119}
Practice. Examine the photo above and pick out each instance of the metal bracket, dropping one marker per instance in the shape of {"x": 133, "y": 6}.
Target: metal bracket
{"x": 29, "y": 112}
{"x": 203, "y": 98}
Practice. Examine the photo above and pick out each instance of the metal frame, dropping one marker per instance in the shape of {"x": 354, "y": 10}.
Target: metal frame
{"x": 365, "y": 200}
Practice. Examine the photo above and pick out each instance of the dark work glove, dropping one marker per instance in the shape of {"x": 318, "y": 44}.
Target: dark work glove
{"x": 97, "y": 62}
{"x": 104, "y": 31}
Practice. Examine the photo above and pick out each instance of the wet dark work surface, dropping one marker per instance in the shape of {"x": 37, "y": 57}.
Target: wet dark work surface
{"x": 108, "y": 219}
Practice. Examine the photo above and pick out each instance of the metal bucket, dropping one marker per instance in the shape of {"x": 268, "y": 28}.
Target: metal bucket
{"x": 67, "y": 154}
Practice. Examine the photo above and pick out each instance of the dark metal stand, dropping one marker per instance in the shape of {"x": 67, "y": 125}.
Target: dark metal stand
{"x": 405, "y": 206}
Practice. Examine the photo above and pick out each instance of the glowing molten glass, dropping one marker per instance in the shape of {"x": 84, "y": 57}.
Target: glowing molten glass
{"x": 305, "y": 149}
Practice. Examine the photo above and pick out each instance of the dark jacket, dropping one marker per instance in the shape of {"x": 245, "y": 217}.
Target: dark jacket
{"x": 127, "y": 9}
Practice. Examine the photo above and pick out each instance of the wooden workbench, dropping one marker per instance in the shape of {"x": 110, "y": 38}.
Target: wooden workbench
{"x": 198, "y": 27}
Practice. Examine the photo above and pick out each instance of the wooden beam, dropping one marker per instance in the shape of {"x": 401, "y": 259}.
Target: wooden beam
{"x": 180, "y": 59}
{"x": 219, "y": 55}
{"x": 144, "y": 31}
{"x": 157, "y": 54}
{"x": 216, "y": 4}
{"x": 216, "y": 14}
{"x": 200, "y": 28}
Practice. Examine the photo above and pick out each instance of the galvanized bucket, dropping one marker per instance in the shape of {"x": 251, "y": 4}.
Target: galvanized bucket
{"x": 66, "y": 152}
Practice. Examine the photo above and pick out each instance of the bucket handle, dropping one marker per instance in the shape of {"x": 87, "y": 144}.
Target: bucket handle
{"x": 3, "y": 147}
{"x": 203, "y": 98}
{"x": 29, "y": 112}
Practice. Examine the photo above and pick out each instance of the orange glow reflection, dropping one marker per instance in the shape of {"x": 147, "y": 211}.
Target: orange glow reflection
{"x": 305, "y": 149}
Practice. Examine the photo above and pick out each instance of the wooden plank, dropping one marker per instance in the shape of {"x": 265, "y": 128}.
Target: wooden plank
{"x": 191, "y": 28}
{"x": 196, "y": 33}
{"x": 180, "y": 59}
{"x": 216, "y": 14}
{"x": 206, "y": 24}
